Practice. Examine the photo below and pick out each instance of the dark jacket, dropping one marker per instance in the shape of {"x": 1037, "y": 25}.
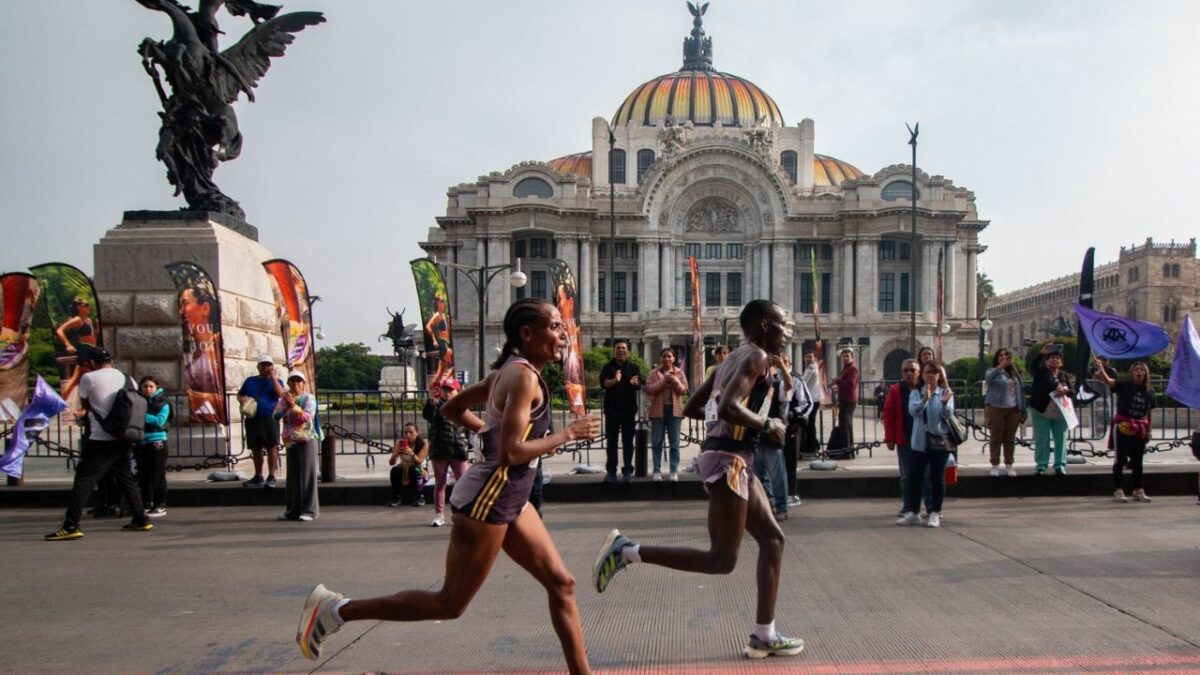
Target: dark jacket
{"x": 1044, "y": 383}
{"x": 446, "y": 439}
{"x": 621, "y": 398}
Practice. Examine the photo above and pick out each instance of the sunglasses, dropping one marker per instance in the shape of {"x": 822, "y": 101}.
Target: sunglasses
{"x": 908, "y": 370}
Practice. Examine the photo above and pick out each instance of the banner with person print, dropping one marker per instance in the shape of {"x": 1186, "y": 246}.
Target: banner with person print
{"x": 697, "y": 374}
{"x": 71, "y": 305}
{"x": 18, "y": 297}
{"x": 438, "y": 345}
{"x": 563, "y": 282}
{"x": 203, "y": 353}
{"x": 293, "y": 307}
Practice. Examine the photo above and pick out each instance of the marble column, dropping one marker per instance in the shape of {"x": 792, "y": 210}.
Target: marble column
{"x": 952, "y": 308}
{"x": 929, "y": 279}
{"x": 587, "y": 288}
{"x": 499, "y": 291}
{"x": 972, "y": 283}
{"x": 783, "y": 287}
{"x": 648, "y": 277}
{"x": 848, "y": 278}
{"x": 868, "y": 277}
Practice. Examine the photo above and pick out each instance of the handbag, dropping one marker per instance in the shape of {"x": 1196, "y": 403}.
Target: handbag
{"x": 955, "y": 433}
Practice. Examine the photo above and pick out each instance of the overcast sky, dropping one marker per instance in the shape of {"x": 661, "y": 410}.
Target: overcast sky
{"x": 1074, "y": 122}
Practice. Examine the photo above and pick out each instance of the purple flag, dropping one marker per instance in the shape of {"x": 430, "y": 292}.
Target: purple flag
{"x": 1119, "y": 337}
{"x": 1184, "y": 385}
{"x": 46, "y": 403}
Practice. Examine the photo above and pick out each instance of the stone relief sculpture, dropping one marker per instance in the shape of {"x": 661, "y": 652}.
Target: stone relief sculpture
{"x": 199, "y": 127}
{"x": 712, "y": 216}
{"x": 672, "y": 138}
{"x": 760, "y": 137}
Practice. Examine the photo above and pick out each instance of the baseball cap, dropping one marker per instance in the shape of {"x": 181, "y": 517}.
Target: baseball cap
{"x": 265, "y": 358}
{"x": 296, "y": 375}
{"x": 92, "y": 353}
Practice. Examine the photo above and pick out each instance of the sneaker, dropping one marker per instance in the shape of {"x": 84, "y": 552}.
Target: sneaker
{"x": 610, "y": 560}
{"x": 284, "y": 516}
{"x": 794, "y": 500}
{"x": 257, "y": 481}
{"x": 137, "y": 527}
{"x": 610, "y": 478}
{"x": 270, "y": 482}
{"x": 935, "y": 520}
{"x": 64, "y": 534}
{"x": 780, "y": 646}
{"x": 780, "y": 515}
{"x": 900, "y": 513}
{"x": 438, "y": 521}
{"x": 420, "y": 501}
{"x": 1040, "y": 471}
{"x": 317, "y": 622}
{"x": 674, "y": 476}
{"x": 627, "y": 478}
{"x": 995, "y": 472}
{"x": 1119, "y": 496}
{"x": 1010, "y": 471}
{"x": 1060, "y": 471}
{"x": 657, "y": 477}
{"x": 305, "y": 518}
{"x": 395, "y": 502}
{"x": 157, "y": 512}
{"x": 1139, "y": 495}
{"x": 909, "y": 518}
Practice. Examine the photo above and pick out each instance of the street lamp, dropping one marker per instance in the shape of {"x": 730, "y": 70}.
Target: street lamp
{"x": 481, "y": 277}
{"x": 912, "y": 244}
{"x": 984, "y": 327}
{"x": 612, "y": 240}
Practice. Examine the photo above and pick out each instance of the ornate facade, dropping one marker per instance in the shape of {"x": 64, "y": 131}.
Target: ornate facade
{"x": 704, "y": 165}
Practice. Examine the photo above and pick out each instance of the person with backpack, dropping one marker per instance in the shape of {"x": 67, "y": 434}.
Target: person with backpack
{"x": 302, "y": 438}
{"x": 110, "y": 417}
{"x": 151, "y": 451}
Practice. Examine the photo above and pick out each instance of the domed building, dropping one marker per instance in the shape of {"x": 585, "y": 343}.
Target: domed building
{"x": 704, "y": 164}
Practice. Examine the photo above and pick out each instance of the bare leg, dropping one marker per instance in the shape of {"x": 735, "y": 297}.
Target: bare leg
{"x": 272, "y": 460}
{"x": 529, "y": 545}
{"x": 726, "y": 524}
{"x": 762, "y": 526}
{"x": 257, "y": 457}
{"x": 473, "y": 549}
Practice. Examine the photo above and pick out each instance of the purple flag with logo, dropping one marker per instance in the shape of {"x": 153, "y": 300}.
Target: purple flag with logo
{"x": 1119, "y": 337}
{"x": 45, "y": 404}
{"x": 1184, "y": 385}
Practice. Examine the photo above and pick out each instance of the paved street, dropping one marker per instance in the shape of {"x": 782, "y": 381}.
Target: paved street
{"x": 1037, "y": 585}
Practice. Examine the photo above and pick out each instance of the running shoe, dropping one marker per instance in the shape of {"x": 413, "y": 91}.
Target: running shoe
{"x": 1060, "y": 471}
{"x": 780, "y": 646}
{"x": 438, "y": 521}
{"x": 909, "y": 518}
{"x": 157, "y": 512}
{"x": 935, "y": 520}
{"x": 995, "y": 472}
{"x": 137, "y": 527}
{"x": 317, "y": 622}
{"x": 610, "y": 560}
{"x": 1119, "y": 496}
{"x": 1012, "y": 473}
{"x": 1139, "y": 495}
{"x": 674, "y": 476}
{"x": 305, "y": 518}
{"x": 271, "y": 482}
{"x": 64, "y": 534}
{"x": 257, "y": 481}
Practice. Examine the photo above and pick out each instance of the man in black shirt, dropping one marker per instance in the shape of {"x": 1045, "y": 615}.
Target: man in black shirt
{"x": 620, "y": 380}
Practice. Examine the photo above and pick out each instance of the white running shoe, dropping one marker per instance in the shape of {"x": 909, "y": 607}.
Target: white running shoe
{"x": 438, "y": 521}
{"x": 1012, "y": 473}
{"x": 657, "y": 476}
{"x": 1139, "y": 495}
{"x": 1119, "y": 496}
{"x": 317, "y": 622}
{"x": 674, "y": 476}
{"x": 995, "y": 472}
{"x": 909, "y": 518}
{"x": 935, "y": 520}
{"x": 780, "y": 646}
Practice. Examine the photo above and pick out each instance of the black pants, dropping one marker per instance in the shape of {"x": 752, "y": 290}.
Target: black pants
{"x": 935, "y": 463}
{"x": 95, "y": 459}
{"x": 623, "y": 423}
{"x": 152, "y": 472}
{"x": 1130, "y": 450}
{"x": 407, "y": 483}
{"x": 791, "y": 454}
{"x": 846, "y": 419}
{"x": 812, "y": 440}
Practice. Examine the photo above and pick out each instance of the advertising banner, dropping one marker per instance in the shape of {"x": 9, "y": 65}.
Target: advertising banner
{"x": 203, "y": 354}
{"x": 18, "y": 297}
{"x": 563, "y": 283}
{"x": 437, "y": 343}
{"x": 293, "y": 307}
{"x": 71, "y": 303}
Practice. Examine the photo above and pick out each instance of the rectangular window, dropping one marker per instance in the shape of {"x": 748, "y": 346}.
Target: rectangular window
{"x": 734, "y": 251}
{"x": 644, "y": 159}
{"x": 712, "y": 289}
{"x": 691, "y": 251}
{"x": 712, "y": 251}
{"x": 733, "y": 290}
{"x": 826, "y": 252}
{"x": 602, "y": 250}
{"x": 826, "y": 292}
{"x": 634, "y": 293}
{"x": 618, "y": 292}
{"x": 601, "y": 287}
{"x": 687, "y": 290}
{"x": 618, "y": 167}
{"x": 537, "y": 284}
{"x": 537, "y": 248}
{"x": 887, "y": 291}
{"x": 905, "y": 251}
{"x": 887, "y": 250}
{"x": 622, "y": 250}
{"x": 904, "y": 292}
{"x": 806, "y": 293}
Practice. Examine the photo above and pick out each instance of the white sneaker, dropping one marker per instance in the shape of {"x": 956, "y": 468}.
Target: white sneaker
{"x": 674, "y": 476}
{"x": 438, "y": 521}
{"x": 935, "y": 520}
{"x": 305, "y": 518}
{"x": 995, "y": 472}
{"x": 794, "y": 500}
{"x": 657, "y": 476}
{"x": 317, "y": 622}
{"x": 1012, "y": 473}
{"x": 1119, "y": 496}
{"x": 909, "y": 518}
{"x": 1139, "y": 495}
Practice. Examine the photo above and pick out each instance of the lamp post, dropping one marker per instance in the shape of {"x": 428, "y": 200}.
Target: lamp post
{"x": 912, "y": 245}
{"x": 984, "y": 326}
{"x": 481, "y": 277}
{"x": 724, "y": 321}
{"x": 612, "y": 240}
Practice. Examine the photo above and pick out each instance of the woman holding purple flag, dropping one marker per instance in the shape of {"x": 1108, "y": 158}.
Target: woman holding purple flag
{"x": 1130, "y": 425}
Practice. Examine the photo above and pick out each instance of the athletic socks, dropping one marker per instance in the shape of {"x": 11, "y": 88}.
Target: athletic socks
{"x": 632, "y": 553}
{"x": 337, "y": 615}
{"x": 765, "y": 632}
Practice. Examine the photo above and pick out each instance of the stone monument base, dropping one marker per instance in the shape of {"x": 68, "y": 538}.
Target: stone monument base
{"x": 139, "y": 312}
{"x": 392, "y": 379}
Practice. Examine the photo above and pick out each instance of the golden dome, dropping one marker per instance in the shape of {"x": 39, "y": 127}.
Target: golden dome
{"x": 827, "y": 171}
{"x": 578, "y": 165}
{"x": 702, "y": 96}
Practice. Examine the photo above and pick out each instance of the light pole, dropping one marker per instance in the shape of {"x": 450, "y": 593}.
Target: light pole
{"x": 480, "y": 277}
{"x": 612, "y": 241}
{"x": 724, "y": 321}
{"x": 984, "y": 326}
{"x": 912, "y": 245}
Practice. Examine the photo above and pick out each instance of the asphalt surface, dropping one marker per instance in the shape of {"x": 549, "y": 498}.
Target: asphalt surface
{"x": 1067, "y": 584}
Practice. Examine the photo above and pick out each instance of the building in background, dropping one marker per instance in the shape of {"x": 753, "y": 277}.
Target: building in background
{"x": 704, "y": 165}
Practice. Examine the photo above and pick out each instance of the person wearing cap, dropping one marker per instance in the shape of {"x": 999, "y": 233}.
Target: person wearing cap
{"x": 447, "y": 444}
{"x": 258, "y": 397}
{"x": 297, "y": 409}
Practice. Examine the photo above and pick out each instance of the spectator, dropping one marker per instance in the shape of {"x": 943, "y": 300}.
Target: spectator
{"x": 99, "y": 387}
{"x": 1130, "y": 425}
{"x": 1049, "y": 378}
{"x": 258, "y": 397}
{"x": 447, "y": 445}
{"x": 769, "y": 464}
{"x": 898, "y": 429}
{"x": 845, "y": 388}
{"x": 1004, "y": 409}
{"x": 930, "y": 406}
{"x": 151, "y": 452}
{"x": 925, "y": 355}
{"x": 799, "y": 408}
{"x": 719, "y": 354}
{"x": 880, "y": 393}
{"x": 816, "y": 390}
{"x": 298, "y": 410}
{"x": 621, "y": 381}
{"x": 408, "y": 468}
{"x": 667, "y": 386}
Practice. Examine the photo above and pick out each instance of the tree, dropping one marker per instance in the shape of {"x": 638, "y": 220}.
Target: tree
{"x": 348, "y": 366}
{"x": 984, "y": 292}
{"x": 41, "y": 357}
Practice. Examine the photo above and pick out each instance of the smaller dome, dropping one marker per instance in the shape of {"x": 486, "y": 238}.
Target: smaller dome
{"x": 827, "y": 171}
{"x": 578, "y": 165}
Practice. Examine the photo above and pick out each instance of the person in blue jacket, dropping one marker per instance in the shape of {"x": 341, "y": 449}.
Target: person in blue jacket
{"x": 151, "y": 452}
{"x": 930, "y": 406}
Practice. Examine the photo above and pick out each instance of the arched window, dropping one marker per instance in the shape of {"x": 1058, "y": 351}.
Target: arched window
{"x": 899, "y": 189}
{"x": 645, "y": 159}
{"x": 617, "y": 170}
{"x": 533, "y": 187}
{"x": 789, "y": 160}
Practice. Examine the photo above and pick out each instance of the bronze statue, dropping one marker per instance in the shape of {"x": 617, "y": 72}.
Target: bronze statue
{"x": 199, "y": 127}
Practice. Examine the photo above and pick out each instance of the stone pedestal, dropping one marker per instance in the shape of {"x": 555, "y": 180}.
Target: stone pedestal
{"x": 139, "y": 312}
{"x": 393, "y": 378}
